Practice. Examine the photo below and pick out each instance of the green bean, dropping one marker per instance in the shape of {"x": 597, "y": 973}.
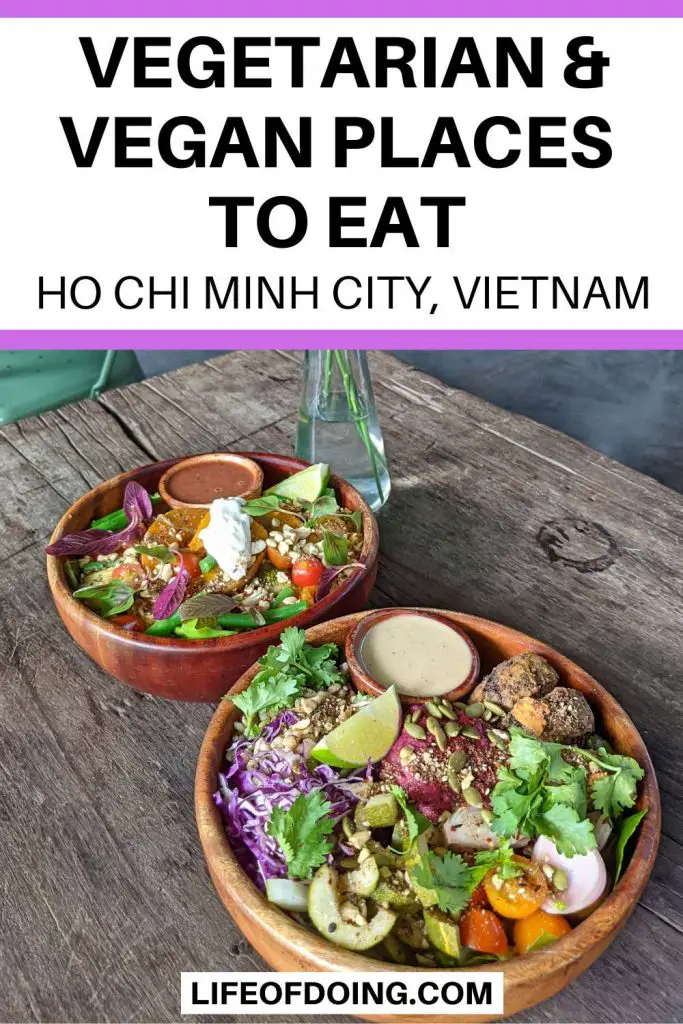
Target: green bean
{"x": 117, "y": 520}
{"x": 164, "y": 627}
{"x": 71, "y": 573}
{"x": 93, "y": 567}
{"x": 208, "y": 563}
{"x": 284, "y": 593}
{"x": 240, "y": 620}
{"x": 284, "y": 612}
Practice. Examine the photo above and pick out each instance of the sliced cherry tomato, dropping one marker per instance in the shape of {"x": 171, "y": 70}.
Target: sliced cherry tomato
{"x": 478, "y": 897}
{"x": 520, "y": 896}
{"x": 482, "y": 931}
{"x": 190, "y": 560}
{"x": 307, "y": 572}
{"x": 129, "y": 572}
{"x": 282, "y": 562}
{"x": 539, "y": 929}
{"x": 129, "y": 621}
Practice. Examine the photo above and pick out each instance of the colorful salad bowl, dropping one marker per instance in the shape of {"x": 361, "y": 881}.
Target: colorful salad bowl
{"x": 200, "y": 669}
{"x": 288, "y": 945}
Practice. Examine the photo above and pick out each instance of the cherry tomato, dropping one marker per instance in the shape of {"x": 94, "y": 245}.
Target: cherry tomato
{"x": 520, "y": 896}
{"x": 129, "y": 572}
{"x": 282, "y": 562}
{"x": 482, "y": 931}
{"x": 130, "y": 622}
{"x": 307, "y": 572}
{"x": 190, "y": 560}
{"x": 478, "y": 897}
{"x": 540, "y": 928}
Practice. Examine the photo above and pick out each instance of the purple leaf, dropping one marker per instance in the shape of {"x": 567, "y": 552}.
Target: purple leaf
{"x": 330, "y": 573}
{"x": 88, "y": 542}
{"x": 98, "y": 542}
{"x": 171, "y": 597}
{"x": 136, "y": 499}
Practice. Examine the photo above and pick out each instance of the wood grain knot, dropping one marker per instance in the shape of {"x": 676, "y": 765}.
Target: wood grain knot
{"x": 579, "y": 544}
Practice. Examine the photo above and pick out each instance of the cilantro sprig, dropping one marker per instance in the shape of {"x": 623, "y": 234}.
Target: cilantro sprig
{"x": 416, "y": 823}
{"x": 541, "y": 792}
{"x": 285, "y": 671}
{"x": 448, "y": 877}
{"x": 302, "y": 833}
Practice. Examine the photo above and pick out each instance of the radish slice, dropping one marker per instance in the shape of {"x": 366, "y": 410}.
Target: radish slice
{"x": 586, "y": 876}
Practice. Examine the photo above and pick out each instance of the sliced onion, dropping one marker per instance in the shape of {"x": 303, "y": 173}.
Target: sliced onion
{"x": 586, "y": 876}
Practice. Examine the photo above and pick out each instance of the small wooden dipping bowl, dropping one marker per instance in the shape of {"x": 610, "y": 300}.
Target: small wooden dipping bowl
{"x": 363, "y": 680}
{"x": 207, "y": 463}
{"x": 287, "y": 946}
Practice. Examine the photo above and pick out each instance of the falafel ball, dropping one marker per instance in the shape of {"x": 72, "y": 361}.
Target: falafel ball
{"x": 525, "y": 675}
{"x": 562, "y": 716}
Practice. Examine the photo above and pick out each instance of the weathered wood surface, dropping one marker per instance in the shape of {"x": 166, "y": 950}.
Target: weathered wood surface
{"x": 104, "y": 897}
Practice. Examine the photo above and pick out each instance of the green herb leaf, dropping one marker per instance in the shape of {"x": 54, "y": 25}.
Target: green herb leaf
{"x": 335, "y": 548}
{"x": 207, "y": 606}
{"x": 191, "y": 631}
{"x": 447, "y": 877}
{"x": 93, "y": 567}
{"x": 264, "y": 695}
{"x": 501, "y": 859}
{"x": 415, "y": 821}
{"x": 107, "y": 599}
{"x": 544, "y": 939}
{"x": 325, "y": 505}
{"x": 616, "y": 792}
{"x": 158, "y": 551}
{"x": 263, "y": 506}
{"x": 302, "y": 833}
{"x": 570, "y": 833}
{"x": 626, "y": 830}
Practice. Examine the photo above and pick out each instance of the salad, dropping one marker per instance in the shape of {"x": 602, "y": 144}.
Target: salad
{"x": 449, "y": 835}
{"x": 198, "y": 573}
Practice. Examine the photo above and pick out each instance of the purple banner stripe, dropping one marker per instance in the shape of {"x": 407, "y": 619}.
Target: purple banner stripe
{"x": 341, "y": 339}
{"x": 341, "y": 9}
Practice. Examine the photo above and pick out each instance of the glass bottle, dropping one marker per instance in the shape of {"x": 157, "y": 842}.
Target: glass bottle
{"x": 338, "y": 422}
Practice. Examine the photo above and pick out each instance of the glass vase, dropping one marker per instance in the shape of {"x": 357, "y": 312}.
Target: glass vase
{"x": 338, "y": 422}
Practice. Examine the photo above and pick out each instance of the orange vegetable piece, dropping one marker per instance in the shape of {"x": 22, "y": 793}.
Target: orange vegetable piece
{"x": 196, "y": 544}
{"x": 517, "y": 897}
{"x": 166, "y": 526}
{"x": 539, "y": 927}
{"x": 482, "y": 931}
{"x": 307, "y": 594}
{"x": 282, "y": 562}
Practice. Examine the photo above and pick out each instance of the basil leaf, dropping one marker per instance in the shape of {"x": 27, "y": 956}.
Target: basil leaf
{"x": 107, "y": 598}
{"x": 335, "y": 548}
{"x": 326, "y": 505}
{"x": 628, "y": 827}
{"x": 263, "y": 506}
{"x": 158, "y": 551}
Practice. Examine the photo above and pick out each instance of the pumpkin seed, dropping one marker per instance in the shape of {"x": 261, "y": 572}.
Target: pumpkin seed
{"x": 457, "y": 760}
{"x": 432, "y": 725}
{"x": 444, "y": 702}
{"x": 470, "y": 732}
{"x": 433, "y": 709}
{"x": 472, "y": 797}
{"x": 501, "y": 734}
{"x": 406, "y": 754}
{"x": 487, "y": 814}
{"x": 441, "y": 741}
{"x": 560, "y": 880}
{"x": 452, "y": 728}
{"x": 415, "y": 715}
{"x": 459, "y": 704}
{"x": 415, "y": 730}
{"x": 454, "y": 781}
{"x": 475, "y": 710}
{"x": 495, "y": 709}
{"x": 487, "y": 716}
{"x": 448, "y": 713}
{"x": 496, "y": 740}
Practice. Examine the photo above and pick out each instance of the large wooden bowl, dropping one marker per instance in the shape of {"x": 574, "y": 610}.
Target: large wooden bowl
{"x": 198, "y": 670}
{"x": 287, "y": 946}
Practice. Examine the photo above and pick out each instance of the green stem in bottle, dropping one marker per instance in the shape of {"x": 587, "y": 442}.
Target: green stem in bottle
{"x": 342, "y": 361}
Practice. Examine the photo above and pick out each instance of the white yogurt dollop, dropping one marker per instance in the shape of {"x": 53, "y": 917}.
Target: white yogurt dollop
{"x": 227, "y": 538}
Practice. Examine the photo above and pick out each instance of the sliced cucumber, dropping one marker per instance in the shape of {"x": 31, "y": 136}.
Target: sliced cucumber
{"x": 380, "y": 811}
{"x": 323, "y": 910}
{"x": 364, "y": 880}
{"x": 442, "y": 932}
{"x": 288, "y": 894}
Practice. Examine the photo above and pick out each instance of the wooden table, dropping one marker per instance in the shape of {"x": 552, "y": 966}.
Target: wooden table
{"x": 104, "y": 895}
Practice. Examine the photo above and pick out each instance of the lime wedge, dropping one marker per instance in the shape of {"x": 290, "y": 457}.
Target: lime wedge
{"x": 307, "y": 485}
{"x": 370, "y": 733}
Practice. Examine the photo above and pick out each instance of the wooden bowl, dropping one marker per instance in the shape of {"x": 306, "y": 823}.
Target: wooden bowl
{"x": 198, "y": 670}
{"x": 364, "y": 681}
{"x": 287, "y": 946}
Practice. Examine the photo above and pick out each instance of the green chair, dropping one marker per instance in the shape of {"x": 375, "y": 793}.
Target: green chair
{"x": 33, "y": 381}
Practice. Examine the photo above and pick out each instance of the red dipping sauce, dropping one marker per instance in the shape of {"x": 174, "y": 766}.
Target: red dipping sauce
{"x": 200, "y": 480}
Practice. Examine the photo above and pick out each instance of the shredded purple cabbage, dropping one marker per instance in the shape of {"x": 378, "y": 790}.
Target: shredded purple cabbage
{"x": 246, "y": 796}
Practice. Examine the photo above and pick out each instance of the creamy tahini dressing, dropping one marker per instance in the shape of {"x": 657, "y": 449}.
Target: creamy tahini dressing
{"x": 227, "y": 538}
{"x": 422, "y": 657}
